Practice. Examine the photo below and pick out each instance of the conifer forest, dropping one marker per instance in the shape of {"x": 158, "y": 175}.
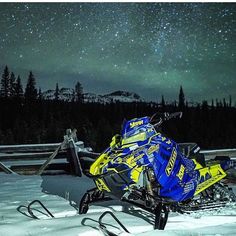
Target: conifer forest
{"x": 26, "y": 117}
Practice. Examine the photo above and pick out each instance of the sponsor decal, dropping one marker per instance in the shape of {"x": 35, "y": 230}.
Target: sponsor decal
{"x": 171, "y": 162}
{"x": 139, "y": 157}
{"x": 189, "y": 186}
{"x": 136, "y": 123}
{"x": 180, "y": 175}
{"x": 152, "y": 149}
{"x": 208, "y": 182}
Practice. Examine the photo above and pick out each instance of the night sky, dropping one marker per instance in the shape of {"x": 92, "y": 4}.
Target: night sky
{"x": 147, "y": 48}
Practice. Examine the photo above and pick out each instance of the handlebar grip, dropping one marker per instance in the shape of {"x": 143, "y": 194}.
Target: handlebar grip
{"x": 175, "y": 115}
{"x": 164, "y": 116}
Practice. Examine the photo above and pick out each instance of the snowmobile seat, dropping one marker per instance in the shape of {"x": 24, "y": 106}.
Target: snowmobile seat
{"x": 200, "y": 158}
{"x": 189, "y": 149}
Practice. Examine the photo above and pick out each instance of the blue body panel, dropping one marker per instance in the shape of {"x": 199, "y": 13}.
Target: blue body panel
{"x": 173, "y": 171}
{"x": 174, "y": 187}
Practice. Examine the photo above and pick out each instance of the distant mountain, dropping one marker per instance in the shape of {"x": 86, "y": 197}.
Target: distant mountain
{"x": 123, "y": 96}
{"x": 91, "y": 97}
{"x": 67, "y": 94}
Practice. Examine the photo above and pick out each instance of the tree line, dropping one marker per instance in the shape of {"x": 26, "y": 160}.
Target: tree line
{"x": 26, "y": 117}
{"x": 11, "y": 87}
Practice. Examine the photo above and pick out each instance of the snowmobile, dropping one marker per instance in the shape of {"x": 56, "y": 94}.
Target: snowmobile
{"x": 145, "y": 168}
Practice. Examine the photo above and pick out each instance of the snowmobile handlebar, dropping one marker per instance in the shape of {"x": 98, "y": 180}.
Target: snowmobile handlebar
{"x": 164, "y": 117}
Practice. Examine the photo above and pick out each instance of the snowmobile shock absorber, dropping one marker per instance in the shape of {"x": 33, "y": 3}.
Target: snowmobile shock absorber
{"x": 161, "y": 216}
{"x": 149, "y": 176}
{"x": 91, "y": 196}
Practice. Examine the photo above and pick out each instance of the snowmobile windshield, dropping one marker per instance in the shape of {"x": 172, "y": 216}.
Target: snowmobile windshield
{"x": 134, "y": 136}
{"x": 131, "y": 126}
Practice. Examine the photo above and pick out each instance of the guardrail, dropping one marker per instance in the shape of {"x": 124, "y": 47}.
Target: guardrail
{"x": 51, "y": 158}
{"x": 29, "y": 158}
{"x": 219, "y": 152}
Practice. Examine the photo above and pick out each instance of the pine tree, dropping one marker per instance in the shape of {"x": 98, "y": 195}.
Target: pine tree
{"x": 217, "y": 103}
{"x": 224, "y": 103}
{"x": 12, "y": 82}
{"x": 40, "y": 96}
{"x": 56, "y": 94}
{"x": 18, "y": 88}
{"x": 186, "y": 104}
{"x": 175, "y": 104}
{"x": 78, "y": 92}
{"x": 163, "y": 103}
{"x": 4, "y": 92}
{"x": 31, "y": 92}
{"x": 230, "y": 101}
{"x": 204, "y": 105}
{"x": 181, "y": 99}
{"x": 212, "y": 103}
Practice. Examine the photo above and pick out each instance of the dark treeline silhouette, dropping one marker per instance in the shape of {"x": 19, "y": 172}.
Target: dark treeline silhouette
{"x": 25, "y": 117}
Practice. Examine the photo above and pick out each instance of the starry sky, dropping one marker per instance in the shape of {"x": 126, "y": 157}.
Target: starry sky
{"x": 147, "y": 48}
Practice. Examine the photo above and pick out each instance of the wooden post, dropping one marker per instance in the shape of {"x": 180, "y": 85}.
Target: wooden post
{"x": 46, "y": 163}
{"x": 67, "y": 143}
{"x": 6, "y": 169}
{"x": 75, "y": 158}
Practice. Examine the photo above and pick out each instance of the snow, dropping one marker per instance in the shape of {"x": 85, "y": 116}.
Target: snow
{"x": 61, "y": 195}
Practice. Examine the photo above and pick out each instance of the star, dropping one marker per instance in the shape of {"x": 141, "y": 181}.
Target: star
{"x": 133, "y": 45}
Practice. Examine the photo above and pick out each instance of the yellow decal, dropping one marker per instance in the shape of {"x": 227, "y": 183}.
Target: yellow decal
{"x": 136, "y": 123}
{"x": 171, "y": 162}
{"x": 119, "y": 160}
{"x": 139, "y": 157}
{"x": 152, "y": 149}
{"x": 135, "y": 174}
{"x": 133, "y": 160}
{"x": 101, "y": 185}
{"x": 130, "y": 161}
{"x": 163, "y": 139}
{"x": 216, "y": 173}
{"x": 208, "y": 183}
{"x": 100, "y": 162}
{"x": 168, "y": 141}
{"x": 198, "y": 165}
{"x": 180, "y": 175}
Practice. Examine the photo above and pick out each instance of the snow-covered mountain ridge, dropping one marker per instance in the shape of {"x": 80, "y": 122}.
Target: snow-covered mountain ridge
{"x": 68, "y": 94}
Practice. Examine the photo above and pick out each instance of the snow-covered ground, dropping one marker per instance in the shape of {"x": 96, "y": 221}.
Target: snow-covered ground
{"x": 61, "y": 195}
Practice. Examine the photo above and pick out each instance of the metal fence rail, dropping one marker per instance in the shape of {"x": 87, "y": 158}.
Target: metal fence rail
{"x": 219, "y": 152}
{"x": 28, "y": 158}
{"x": 43, "y": 158}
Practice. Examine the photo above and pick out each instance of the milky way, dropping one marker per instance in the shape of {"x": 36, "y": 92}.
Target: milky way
{"x": 148, "y": 48}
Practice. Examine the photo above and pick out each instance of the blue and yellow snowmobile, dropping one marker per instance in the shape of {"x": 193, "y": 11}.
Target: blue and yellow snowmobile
{"x": 143, "y": 167}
